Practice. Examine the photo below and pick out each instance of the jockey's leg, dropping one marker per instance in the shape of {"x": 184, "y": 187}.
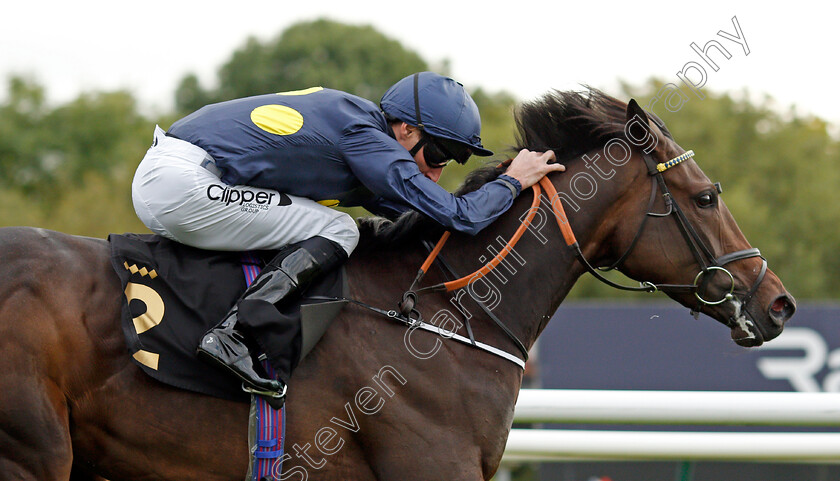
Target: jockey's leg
{"x": 179, "y": 196}
{"x": 256, "y": 317}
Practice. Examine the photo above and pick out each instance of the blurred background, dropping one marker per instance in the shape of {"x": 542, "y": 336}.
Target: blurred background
{"x": 84, "y": 83}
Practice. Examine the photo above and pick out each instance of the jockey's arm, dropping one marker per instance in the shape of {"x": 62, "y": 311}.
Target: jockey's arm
{"x": 387, "y": 170}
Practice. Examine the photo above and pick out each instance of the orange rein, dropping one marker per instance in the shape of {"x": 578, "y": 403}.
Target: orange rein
{"x": 559, "y": 215}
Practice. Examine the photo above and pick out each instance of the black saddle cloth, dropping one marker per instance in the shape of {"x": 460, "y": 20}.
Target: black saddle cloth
{"x": 175, "y": 293}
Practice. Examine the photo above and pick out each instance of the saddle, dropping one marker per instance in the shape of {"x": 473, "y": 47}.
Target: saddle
{"x": 175, "y": 293}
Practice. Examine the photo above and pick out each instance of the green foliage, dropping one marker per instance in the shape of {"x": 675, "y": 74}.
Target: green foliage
{"x": 190, "y": 96}
{"x": 69, "y": 168}
{"x": 20, "y": 142}
{"x": 93, "y": 131}
{"x": 99, "y": 206}
{"x": 356, "y": 59}
{"x": 44, "y": 153}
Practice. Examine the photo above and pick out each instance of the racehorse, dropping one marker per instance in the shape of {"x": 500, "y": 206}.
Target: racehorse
{"x": 375, "y": 399}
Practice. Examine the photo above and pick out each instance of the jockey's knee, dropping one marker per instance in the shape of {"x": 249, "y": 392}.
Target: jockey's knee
{"x": 343, "y": 231}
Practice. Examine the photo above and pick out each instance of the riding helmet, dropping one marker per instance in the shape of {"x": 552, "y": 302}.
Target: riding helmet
{"x": 446, "y": 110}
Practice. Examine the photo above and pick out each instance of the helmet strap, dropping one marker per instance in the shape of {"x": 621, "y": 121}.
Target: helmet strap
{"x": 420, "y": 143}
{"x": 417, "y": 103}
{"x": 423, "y": 139}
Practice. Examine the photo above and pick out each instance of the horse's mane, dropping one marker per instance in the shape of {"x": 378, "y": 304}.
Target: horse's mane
{"x": 573, "y": 123}
{"x": 570, "y": 123}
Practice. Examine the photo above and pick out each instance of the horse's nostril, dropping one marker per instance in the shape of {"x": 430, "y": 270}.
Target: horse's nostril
{"x": 782, "y": 309}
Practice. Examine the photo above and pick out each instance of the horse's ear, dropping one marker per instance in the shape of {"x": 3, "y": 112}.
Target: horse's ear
{"x": 648, "y": 138}
{"x": 634, "y": 109}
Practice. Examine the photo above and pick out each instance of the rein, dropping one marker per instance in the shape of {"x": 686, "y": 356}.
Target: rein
{"x": 449, "y": 286}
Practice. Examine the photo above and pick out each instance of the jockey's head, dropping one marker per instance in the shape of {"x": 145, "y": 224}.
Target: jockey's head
{"x": 445, "y": 117}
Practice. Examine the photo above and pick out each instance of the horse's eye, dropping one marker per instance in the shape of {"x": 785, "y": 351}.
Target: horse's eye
{"x": 707, "y": 199}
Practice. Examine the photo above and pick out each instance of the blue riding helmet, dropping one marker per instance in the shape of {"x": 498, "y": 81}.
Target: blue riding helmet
{"x": 445, "y": 108}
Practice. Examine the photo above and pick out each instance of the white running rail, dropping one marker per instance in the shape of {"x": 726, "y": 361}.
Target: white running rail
{"x": 680, "y": 408}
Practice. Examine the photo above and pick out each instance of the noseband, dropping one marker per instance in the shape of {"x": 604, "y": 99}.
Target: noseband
{"x": 709, "y": 264}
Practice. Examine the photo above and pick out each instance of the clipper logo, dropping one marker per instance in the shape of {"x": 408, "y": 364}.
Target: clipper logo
{"x": 247, "y": 200}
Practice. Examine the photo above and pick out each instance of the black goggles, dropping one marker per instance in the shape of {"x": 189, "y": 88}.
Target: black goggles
{"x": 439, "y": 152}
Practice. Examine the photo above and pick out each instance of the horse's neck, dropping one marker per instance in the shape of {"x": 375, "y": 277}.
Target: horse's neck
{"x": 532, "y": 281}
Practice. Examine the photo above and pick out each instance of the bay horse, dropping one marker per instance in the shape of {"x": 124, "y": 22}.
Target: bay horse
{"x": 375, "y": 400}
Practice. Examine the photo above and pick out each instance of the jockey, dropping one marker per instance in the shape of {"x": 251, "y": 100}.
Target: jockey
{"x": 261, "y": 173}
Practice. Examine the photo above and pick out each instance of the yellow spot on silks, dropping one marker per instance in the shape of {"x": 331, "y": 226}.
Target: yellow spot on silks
{"x": 308, "y": 91}
{"x": 329, "y": 202}
{"x": 147, "y": 358}
{"x": 277, "y": 119}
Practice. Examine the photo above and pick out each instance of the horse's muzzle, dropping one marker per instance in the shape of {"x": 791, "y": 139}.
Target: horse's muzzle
{"x": 754, "y": 329}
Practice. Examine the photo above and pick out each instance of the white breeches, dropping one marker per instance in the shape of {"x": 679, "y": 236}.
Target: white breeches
{"x": 177, "y": 194}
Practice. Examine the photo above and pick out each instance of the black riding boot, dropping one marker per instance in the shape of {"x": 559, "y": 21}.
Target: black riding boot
{"x": 255, "y": 316}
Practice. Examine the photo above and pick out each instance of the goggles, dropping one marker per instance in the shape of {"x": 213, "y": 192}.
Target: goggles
{"x": 440, "y": 152}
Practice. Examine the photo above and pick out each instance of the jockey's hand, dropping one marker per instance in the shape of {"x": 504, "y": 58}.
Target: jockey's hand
{"x": 529, "y": 167}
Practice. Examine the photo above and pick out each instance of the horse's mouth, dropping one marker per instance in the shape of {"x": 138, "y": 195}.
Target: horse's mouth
{"x": 747, "y": 332}
{"x": 743, "y": 330}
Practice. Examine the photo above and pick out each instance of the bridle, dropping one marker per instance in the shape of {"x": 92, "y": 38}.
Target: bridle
{"x": 709, "y": 264}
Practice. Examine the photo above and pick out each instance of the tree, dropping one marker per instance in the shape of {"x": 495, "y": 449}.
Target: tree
{"x": 356, "y": 59}
{"x": 69, "y": 167}
{"x": 94, "y": 133}
{"x": 190, "y": 95}
{"x": 21, "y": 152}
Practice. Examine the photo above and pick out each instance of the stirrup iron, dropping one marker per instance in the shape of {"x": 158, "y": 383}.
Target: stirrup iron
{"x": 268, "y": 394}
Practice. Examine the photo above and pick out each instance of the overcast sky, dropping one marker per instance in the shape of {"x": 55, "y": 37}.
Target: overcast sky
{"x": 525, "y": 47}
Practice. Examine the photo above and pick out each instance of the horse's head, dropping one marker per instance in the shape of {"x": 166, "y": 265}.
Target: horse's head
{"x": 690, "y": 245}
{"x": 664, "y": 223}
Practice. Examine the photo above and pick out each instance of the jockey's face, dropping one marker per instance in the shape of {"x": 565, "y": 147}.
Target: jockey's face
{"x": 432, "y": 173}
{"x": 408, "y": 136}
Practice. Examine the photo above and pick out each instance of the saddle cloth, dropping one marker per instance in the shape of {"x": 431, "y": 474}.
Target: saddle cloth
{"x": 175, "y": 293}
